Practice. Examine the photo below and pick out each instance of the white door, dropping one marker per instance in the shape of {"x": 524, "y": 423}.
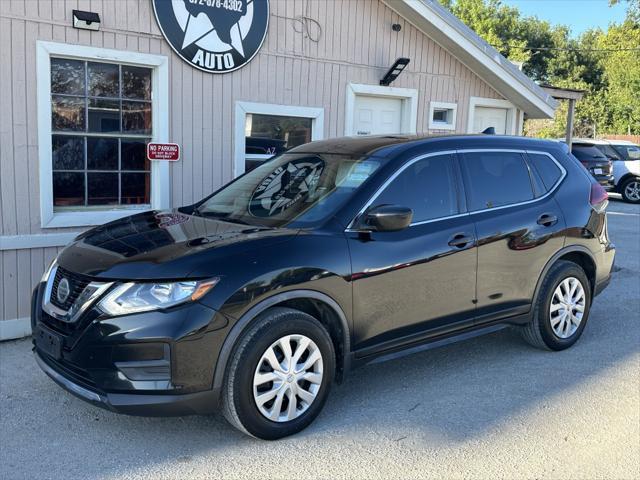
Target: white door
{"x": 485, "y": 117}
{"x": 377, "y": 115}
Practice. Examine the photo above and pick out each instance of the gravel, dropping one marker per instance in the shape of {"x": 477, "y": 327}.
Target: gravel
{"x": 491, "y": 407}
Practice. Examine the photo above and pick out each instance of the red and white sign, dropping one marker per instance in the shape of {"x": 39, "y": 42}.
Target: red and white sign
{"x": 163, "y": 151}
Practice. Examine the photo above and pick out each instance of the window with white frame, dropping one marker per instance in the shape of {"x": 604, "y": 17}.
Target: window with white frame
{"x": 442, "y": 116}
{"x": 97, "y": 110}
{"x": 100, "y": 126}
{"x": 264, "y": 130}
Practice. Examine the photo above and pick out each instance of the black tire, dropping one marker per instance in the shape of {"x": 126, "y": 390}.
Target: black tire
{"x": 239, "y": 406}
{"x": 539, "y": 332}
{"x": 623, "y": 189}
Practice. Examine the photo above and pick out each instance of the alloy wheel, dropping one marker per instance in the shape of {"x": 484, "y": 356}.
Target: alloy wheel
{"x": 567, "y": 307}
{"x": 288, "y": 378}
{"x": 632, "y": 190}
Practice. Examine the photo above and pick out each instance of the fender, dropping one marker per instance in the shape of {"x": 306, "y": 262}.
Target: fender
{"x": 253, "y": 312}
{"x": 554, "y": 259}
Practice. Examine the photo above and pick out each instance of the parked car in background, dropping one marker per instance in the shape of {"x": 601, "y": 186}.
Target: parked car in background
{"x": 334, "y": 254}
{"x": 596, "y": 162}
{"x": 625, "y": 160}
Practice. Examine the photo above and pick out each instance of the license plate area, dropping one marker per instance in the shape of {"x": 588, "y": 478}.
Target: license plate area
{"x": 597, "y": 171}
{"x": 48, "y": 342}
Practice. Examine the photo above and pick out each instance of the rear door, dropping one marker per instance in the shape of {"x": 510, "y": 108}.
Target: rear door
{"x": 518, "y": 224}
{"x": 420, "y": 280}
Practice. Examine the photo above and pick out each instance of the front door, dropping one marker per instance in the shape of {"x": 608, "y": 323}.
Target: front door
{"x": 377, "y": 115}
{"x": 519, "y": 227}
{"x": 421, "y": 280}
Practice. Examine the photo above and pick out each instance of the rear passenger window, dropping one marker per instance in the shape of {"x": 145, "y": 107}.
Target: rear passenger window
{"x": 494, "y": 179}
{"x": 428, "y": 187}
{"x": 546, "y": 168}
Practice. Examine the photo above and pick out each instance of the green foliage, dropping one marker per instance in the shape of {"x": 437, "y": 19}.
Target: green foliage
{"x": 610, "y": 78}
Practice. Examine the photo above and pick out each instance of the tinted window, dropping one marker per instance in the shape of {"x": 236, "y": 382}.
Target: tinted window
{"x": 609, "y": 151}
{"x": 495, "y": 178}
{"x": 427, "y": 187}
{"x": 546, "y": 168}
{"x": 628, "y": 152}
{"x": 586, "y": 153}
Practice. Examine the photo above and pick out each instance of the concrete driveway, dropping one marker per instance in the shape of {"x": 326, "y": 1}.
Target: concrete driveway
{"x": 491, "y": 407}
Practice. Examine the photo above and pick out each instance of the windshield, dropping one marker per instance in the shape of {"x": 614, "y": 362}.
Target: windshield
{"x": 296, "y": 190}
{"x": 628, "y": 152}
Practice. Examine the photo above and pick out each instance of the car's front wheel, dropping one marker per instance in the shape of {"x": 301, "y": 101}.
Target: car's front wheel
{"x": 561, "y": 309}
{"x": 630, "y": 190}
{"x": 279, "y": 375}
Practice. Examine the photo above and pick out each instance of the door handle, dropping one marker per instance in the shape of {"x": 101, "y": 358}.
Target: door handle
{"x": 547, "y": 219}
{"x": 460, "y": 240}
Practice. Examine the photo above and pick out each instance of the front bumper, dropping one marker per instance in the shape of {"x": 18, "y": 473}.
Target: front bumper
{"x": 132, "y": 403}
{"x": 154, "y": 363}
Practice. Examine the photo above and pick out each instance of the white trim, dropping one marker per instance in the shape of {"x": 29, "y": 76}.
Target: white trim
{"x": 36, "y": 240}
{"x": 15, "y": 328}
{"x": 451, "y": 124}
{"x": 160, "y": 194}
{"x": 409, "y": 97}
{"x": 474, "y": 102}
{"x": 449, "y": 32}
{"x": 242, "y": 108}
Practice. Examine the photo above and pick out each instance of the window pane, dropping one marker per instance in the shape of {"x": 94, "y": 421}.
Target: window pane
{"x": 136, "y": 188}
{"x": 546, "y": 168}
{"x": 68, "y": 189}
{"x": 67, "y": 113}
{"x": 102, "y": 188}
{"x": 102, "y": 153}
{"x": 134, "y": 155}
{"x": 67, "y": 152}
{"x": 291, "y": 131}
{"x": 136, "y": 117}
{"x": 440, "y": 115}
{"x": 67, "y": 76}
{"x": 104, "y": 115}
{"x": 104, "y": 80}
{"x": 428, "y": 187}
{"x": 136, "y": 82}
{"x": 495, "y": 179}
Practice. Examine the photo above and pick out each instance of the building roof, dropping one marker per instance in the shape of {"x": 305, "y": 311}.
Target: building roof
{"x": 485, "y": 61}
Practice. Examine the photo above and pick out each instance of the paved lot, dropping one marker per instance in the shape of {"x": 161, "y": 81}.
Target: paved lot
{"x": 491, "y": 407}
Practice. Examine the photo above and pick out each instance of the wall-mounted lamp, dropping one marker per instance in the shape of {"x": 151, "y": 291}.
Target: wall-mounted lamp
{"x": 86, "y": 20}
{"x": 396, "y": 27}
{"x": 395, "y": 70}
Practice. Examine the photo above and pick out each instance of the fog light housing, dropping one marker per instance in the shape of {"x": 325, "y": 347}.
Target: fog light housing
{"x": 144, "y": 362}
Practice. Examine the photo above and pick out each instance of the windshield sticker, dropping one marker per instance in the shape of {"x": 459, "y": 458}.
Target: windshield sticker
{"x": 358, "y": 174}
{"x": 285, "y": 187}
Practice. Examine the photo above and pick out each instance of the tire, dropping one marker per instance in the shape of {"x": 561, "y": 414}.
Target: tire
{"x": 630, "y": 190}
{"x": 250, "y": 361}
{"x": 540, "y": 332}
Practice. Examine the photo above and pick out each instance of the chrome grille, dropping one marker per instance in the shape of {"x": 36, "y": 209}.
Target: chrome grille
{"x": 77, "y": 284}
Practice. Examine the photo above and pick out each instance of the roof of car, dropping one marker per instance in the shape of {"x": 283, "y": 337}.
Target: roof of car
{"x": 383, "y": 145}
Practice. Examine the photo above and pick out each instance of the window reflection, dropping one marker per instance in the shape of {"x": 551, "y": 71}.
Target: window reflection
{"x": 89, "y": 100}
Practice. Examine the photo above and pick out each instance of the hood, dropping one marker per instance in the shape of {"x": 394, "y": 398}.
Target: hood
{"x": 163, "y": 245}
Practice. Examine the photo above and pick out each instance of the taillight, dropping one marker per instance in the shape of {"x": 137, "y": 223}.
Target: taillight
{"x": 599, "y": 198}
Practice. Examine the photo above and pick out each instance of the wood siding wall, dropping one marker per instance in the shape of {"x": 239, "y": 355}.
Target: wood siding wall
{"x": 356, "y": 45}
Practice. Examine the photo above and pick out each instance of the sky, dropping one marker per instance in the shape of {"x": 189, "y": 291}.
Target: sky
{"x": 579, "y": 15}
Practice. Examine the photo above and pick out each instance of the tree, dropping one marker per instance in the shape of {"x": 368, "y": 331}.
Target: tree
{"x": 604, "y": 64}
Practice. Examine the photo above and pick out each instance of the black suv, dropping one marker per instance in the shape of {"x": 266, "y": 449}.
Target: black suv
{"x": 596, "y": 163}
{"x": 256, "y": 299}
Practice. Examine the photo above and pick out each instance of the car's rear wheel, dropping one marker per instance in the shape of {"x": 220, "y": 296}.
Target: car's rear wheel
{"x": 561, "y": 309}
{"x": 630, "y": 190}
{"x": 280, "y": 374}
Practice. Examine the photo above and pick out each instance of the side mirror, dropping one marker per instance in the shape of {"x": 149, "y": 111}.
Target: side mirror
{"x": 387, "y": 218}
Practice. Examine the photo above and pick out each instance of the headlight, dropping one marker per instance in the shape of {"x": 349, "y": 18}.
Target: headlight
{"x": 142, "y": 297}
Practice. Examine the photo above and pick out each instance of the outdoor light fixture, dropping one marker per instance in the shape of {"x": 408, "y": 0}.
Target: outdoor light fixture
{"x": 395, "y": 70}
{"x": 86, "y": 20}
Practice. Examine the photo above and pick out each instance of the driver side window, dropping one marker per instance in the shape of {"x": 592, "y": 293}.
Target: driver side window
{"x": 427, "y": 186}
